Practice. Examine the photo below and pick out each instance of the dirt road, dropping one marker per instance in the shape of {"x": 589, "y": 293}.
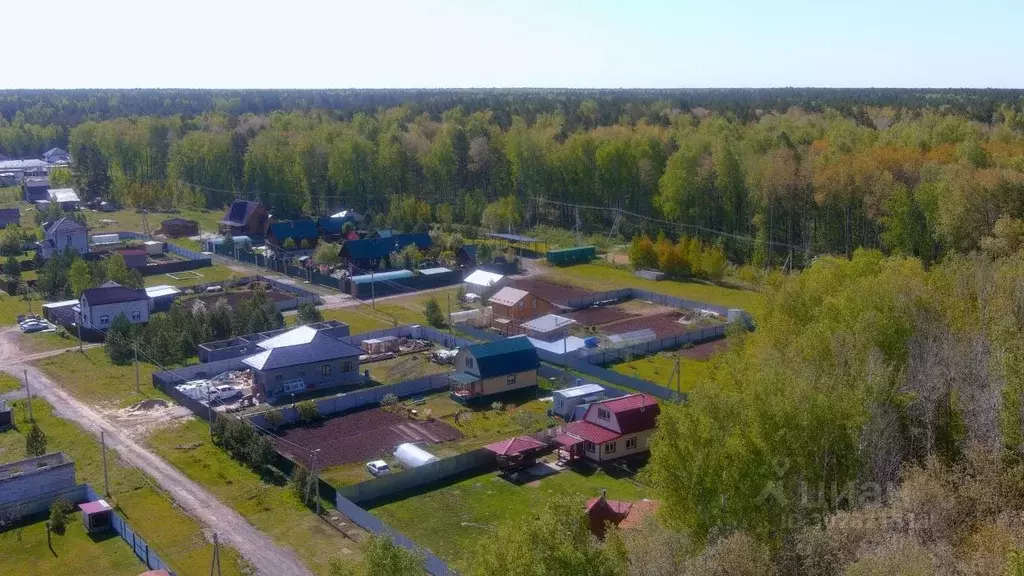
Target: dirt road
{"x": 258, "y": 549}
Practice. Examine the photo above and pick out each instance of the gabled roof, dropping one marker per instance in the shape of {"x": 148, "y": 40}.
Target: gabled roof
{"x": 548, "y": 323}
{"x": 330, "y": 224}
{"x": 53, "y": 151}
{"x": 507, "y": 356}
{"x": 469, "y": 250}
{"x": 517, "y": 445}
{"x": 295, "y": 229}
{"x": 385, "y": 233}
{"x": 483, "y": 278}
{"x": 319, "y": 348}
{"x": 293, "y": 337}
{"x": 508, "y": 296}
{"x": 634, "y": 413}
{"x": 112, "y": 295}
{"x": 375, "y": 248}
{"x": 64, "y": 225}
{"x": 591, "y": 432}
{"x": 240, "y": 212}
{"x": 63, "y": 195}
{"x": 348, "y": 216}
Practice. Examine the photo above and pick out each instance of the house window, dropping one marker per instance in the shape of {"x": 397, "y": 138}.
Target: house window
{"x": 631, "y": 443}
{"x": 136, "y": 315}
{"x": 534, "y": 303}
{"x": 590, "y": 446}
{"x": 67, "y": 239}
{"x": 603, "y": 414}
{"x": 325, "y": 369}
{"x": 510, "y": 380}
{"x": 278, "y": 378}
{"x": 522, "y": 305}
{"x": 609, "y": 448}
{"x": 469, "y": 361}
{"x": 104, "y": 319}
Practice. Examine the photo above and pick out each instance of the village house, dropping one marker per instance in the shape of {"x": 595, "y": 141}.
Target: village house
{"x": 366, "y": 254}
{"x": 99, "y": 306}
{"x": 179, "y": 228}
{"x": 245, "y": 218}
{"x": 549, "y": 327}
{"x": 612, "y": 429}
{"x": 298, "y": 231}
{"x": 35, "y": 189}
{"x": 482, "y": 282}
{"x": 57, "y": 156}
{"x": 494, "y": 368}
{"x": 303, "y": 359}
{"x": 63, "y": 234}
{"x": 66, "y": 197}
{"x": 512, "y": 307}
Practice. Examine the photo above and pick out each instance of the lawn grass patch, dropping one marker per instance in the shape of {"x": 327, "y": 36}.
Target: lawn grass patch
{"x": 26, "y": 551}
{"x": 456, "y": 520}
{"x": 91, "y": 377}
{"x": 600, "y": 278}
{"x": 8, "y": 383}
{"x": 658, "y": 368}
{"x": 45, "y": 342}
{"x": 131, "y": 221}
{"x": 379, "y": 370}
{"x": 215, "y": 273}
{"x": 177, "y": 538}
{"x": 359, "y": 321}
{"x": 272, "y": 509}
{"x": 13, "y": 306}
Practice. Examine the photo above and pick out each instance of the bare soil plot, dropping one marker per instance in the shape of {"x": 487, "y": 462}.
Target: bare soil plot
{"x": 664, "y": 325}
{"x": 554, "y": 293}
{"x": 705, "y": 350}
{"x": 359, "y": 437}
{"x": 600, "y": 316}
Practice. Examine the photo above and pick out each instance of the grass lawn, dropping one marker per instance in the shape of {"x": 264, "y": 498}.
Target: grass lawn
{"x": 270, "y": 508}
{"x": 131, "y": 221}
{"x": 456, "y": 520}
{"x": 91, "y": 377}
{"x": 379, "y": 370}
{"x": 12, "y": 306}
{"x": 359, "y": 319}
{"x": 8, "y": 383}
{"x": 215, "y": 273}
{"x": 599, "y": 278}
{"x": 26, "y": 552}
{"x": 658, "y": 368}
{"x": 46, "y": 342}
{"x": 176, "y": 537}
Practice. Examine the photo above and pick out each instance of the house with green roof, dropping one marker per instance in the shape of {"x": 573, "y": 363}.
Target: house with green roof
{"x": 483, "y": 370}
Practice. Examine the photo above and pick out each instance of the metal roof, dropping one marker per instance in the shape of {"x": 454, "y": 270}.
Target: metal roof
{"x": 320, "y": 348}
{"x": 483, "y": 278}
{"x": 294, "y": 229}
{"x": 508, "y": 296}
{"x": 548, "y": 323}
{"x": 63, "y": 195}
{"x": 382, "y": 276}
{"x": 239, "y": 212}
{"x": 105, "y": 239}
{"x": 563, "y": 345}
{"x": 64, "y": 225}
{"x": 112, "y": 295}
{"x": 642, "y": 335}
{"x": 513, "y": 237}
{"x": 23, "y": 164}
{"x": 517, "y": 445}
{"x": 581, "y": 390}
{"x": 293, "y": 337}
{"x": 432, "y": 271}
{"x": 507, "y": 356}
{"x": 162, "y": 290}
{"x": 375, "y": 248}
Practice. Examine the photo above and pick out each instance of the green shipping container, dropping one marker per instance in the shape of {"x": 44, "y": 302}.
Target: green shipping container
{"x": 570, "y": 256}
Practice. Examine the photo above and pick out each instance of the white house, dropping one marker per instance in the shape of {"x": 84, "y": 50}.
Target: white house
{"x": 61, "y": 235}
{"x": 612, "y": 429}
{"x": 482, "y": 282}
{"x": 99, "y": 306}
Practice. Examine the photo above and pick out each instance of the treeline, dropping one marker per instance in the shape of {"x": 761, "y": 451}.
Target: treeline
{"x": 784, "y": 187}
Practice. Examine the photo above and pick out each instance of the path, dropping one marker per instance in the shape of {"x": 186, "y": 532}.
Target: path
{"x": 258, "y": 549}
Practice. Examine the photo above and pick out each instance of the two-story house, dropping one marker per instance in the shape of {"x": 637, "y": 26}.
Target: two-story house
{"x": 99, "y": 306}
{"x": 63, "y": 234}
{"x": 245, "y": 218}
{"x": 494, "y": 368}
{"x": 512, "y": 307}
{"x": 613, "y": 428}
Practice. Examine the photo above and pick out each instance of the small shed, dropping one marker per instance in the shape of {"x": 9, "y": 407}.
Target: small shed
{"x": 97, "y": 516}
{"x": 134, "y": 257}
{"x": 412, "y": 456}
{"x": 179, "y": 227}
{"x": 549, "y": 327}
{"x": 484, "y": 282}
{"x": 567, "y": 399}
{"x": 153, "y": 247}
{"x": 380, "y": 345}
{"x": 161, "y": 297}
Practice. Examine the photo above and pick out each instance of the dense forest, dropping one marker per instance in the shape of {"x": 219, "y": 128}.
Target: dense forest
{"x": 769, "y": 174}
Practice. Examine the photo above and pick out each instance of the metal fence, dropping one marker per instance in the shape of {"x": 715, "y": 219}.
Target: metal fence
{"x": 398, "y": 482}
{"x": 283, "y": 267}
{"x": 613, "y": 296}
{"x": 604, "y": 356}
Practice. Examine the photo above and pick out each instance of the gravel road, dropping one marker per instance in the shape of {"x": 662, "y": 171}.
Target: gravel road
{"x": 267, "y": 557}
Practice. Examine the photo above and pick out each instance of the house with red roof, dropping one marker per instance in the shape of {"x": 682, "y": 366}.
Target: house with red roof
{"x": 612, "y": 429}
{"x": 602, "y": 512}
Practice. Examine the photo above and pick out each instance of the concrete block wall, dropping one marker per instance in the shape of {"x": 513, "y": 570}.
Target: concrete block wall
{"x": 30, "y": 478}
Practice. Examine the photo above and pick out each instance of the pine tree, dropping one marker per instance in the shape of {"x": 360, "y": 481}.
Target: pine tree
{"x": 35, "y": 442}
{"x": 120, "y": 340}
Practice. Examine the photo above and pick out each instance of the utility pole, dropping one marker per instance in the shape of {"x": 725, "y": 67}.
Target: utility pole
{"x": 28, "y": 392}
{"x": 449, "y": 312}
{"x": 79, "y": 318}
{"x": 209, "y": 410}
{"x": 373, "y": 292}
{"x": 103, "y": 447}
{"x": 316, "y": 483}
{"x": 135, "y": 347}
{"x": 215, "y": 563}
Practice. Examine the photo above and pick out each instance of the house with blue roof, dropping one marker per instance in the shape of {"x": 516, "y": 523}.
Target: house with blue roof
{"x": 297, "y": 231}
{"x": 367, "y": 253}
{"x": 303, "y": 359}
{"x": 483, "y": 370}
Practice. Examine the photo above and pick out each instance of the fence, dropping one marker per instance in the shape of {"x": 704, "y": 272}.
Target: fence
{"x": 603, "y": 356}
{"x": 168, "y": 380}
{"x": 638, "y": 294}
{"x": 402, "y": 285}
{"x": 281, "y": 266}
{"x": 410, "y": 478}
{"x": 139, "y": 546}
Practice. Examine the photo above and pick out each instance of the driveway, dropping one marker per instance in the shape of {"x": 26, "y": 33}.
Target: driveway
{"x": 267, "y": 557}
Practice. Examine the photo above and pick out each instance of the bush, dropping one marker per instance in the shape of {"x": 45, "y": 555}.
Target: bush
{"x": 274, "y": 418}
{"x": 301, "y": 485}
{"x": 289, "y": 244}
{"x": 308, "y": 411}
{"x": 433, "y": 314}
{"x": 388, "y": 401}
{"x": 497, "y": 406}
{"x": 59, "y": 511}
{"x": 308, "y": 314}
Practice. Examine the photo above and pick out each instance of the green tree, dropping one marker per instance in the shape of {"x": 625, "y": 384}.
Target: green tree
{"x": 327, "y": 254}
{"x": 120, "y": 341}
{"x": 308, "y": 314}
{"x": 10, "y": 241}
{"x": 59, "y": 511}
{"x": 432, "y": 312}
{"x": 289, "y": 244}
{"x": 502, "y": 214}
{"x": 12, "y": 268}
{"x": 35, "y": 442}
{"x": 642, "y": 254}
{"x": 713, "y": 263}
{"x": 308, "y": 411}
{"x": 382, "y": 557}
{"x": 80, "y": 277}
{"x": 302, "y": 485}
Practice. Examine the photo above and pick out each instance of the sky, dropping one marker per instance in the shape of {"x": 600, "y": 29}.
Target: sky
{"x": 515, "y": 43}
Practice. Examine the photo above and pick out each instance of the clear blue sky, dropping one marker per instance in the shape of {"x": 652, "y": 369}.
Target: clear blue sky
{"x": 477, "y": 43}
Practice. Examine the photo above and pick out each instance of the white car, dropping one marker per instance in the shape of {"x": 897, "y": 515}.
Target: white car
{"x": 225, "y": 392}
{"x": 470, "y": 297}
{"x": 378, "y": 468}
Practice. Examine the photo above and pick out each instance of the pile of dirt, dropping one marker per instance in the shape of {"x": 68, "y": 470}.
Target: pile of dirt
{"x": 148, "y": 404}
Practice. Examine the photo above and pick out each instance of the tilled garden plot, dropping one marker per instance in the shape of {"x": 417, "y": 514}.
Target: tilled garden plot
{"x": 705, "y": 350}
{"x": 664, "y": 325}
{"x": 600, "y": 316}
{"x": 359, "y": 437}
{"x": 554, "y": 293}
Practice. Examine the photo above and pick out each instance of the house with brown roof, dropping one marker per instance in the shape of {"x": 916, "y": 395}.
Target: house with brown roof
{"x": 602, "y": 512}
{"x": 245, "y": 218}
{"x": 612, "y": 429}
{"x": 512, "y": 307}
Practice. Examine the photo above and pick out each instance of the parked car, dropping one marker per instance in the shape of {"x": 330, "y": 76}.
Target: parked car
{"x": 33, "y": 326}
{"x": 378, "y": 468}
{"x": 224, "y": 392}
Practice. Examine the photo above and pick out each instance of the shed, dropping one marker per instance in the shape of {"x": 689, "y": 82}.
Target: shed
{"x": 433, "y": 271}
{"x": 97, "y": 516}
{"x": 179, "y": 227}
{"x": 134, "y": 257}
{"x": 482, "y": 281}
{"x": 161, "y": 297}
{"x": 548, "y": 327}
{"x": 105, "y": 239}
{"x": 153, "y": 248}
{"x": 566, "y": 400}
{"x": 412, "y": 456}
{"x": 380, "y": 345}
{"x": 570, "y": 256}
{"x": 516, "y": 453}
